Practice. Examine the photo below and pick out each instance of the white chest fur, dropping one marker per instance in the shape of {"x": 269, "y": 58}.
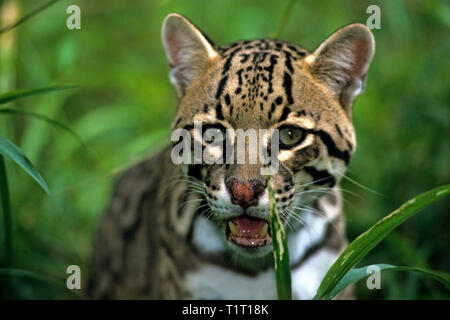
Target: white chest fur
{"x": 215, "y": 282}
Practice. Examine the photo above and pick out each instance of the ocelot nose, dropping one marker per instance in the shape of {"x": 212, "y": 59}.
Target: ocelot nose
{"x": 245, "y": 193}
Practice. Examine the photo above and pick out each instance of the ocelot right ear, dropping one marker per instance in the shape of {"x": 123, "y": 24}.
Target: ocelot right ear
{"x": 341, "y": 62}
{"x": 189, "y": 52}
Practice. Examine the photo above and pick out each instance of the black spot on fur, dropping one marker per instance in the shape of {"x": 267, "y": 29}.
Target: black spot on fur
{"x": 272, "y": 109}
{"x": 338, "y": 130}
{"x": 219, "y": 114}
{"x": 220, "y": 87}
{"x": 227, "y": 99}
{"x": 288, "y": 62}
{"x": 285, "y": 113}
{"x": 279, "y": 100}
{"x": 287, "y": 85}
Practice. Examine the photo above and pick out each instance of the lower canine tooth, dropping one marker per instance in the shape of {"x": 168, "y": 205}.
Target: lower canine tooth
{"x": 234, "y": 230}
{"x": 263, "y": 231}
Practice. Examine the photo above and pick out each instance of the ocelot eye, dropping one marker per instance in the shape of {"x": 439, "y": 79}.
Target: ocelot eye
{"x": 291, "y": 136}
{"x": 214, "y": 134}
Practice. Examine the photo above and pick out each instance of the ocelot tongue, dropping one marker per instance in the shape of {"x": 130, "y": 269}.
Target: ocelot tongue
{"x": 248, "y": 226}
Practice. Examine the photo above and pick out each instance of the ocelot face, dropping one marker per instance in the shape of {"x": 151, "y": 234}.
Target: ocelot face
{"x": 302, "y": 99}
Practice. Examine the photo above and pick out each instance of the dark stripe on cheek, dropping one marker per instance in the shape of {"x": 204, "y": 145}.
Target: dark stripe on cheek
{"x": 338, "y": 130}
{"x": 349, "y": 145}
{"x": 320, "y": 177}
{"x": 331, "y": 147}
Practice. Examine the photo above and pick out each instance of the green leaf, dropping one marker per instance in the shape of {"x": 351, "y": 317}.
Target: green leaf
{"x": 369, "y": 239}
{"x": 360, "y": 273}
{"x": 6, "y": 209}
{"x": 280, "y": 250}
{"x": 16, "y": 94}
{"x": 44, "y": 118}
{"x": 287, "y": 12}
{"x": 10, "y": 150}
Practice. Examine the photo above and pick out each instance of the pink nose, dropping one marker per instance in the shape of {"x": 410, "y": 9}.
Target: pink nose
{"x": 245, "y": 193}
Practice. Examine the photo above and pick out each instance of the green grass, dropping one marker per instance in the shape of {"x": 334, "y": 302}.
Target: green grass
{"x": 280, "y": 250}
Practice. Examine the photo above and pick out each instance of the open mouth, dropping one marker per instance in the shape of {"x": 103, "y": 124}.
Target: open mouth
{"x": 248, "y": 231}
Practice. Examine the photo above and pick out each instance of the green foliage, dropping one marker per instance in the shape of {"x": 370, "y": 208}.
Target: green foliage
{"x": 10, "y": 150}
{"x": 358, "y": 274}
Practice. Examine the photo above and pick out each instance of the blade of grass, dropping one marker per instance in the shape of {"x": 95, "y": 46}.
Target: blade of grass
{"x": 6, "y": 209}
{"x": 44, "y": 118}
{"x": 10, "y": 150}
{"x": 284, "y": 19}
{"x": 361, "y": 273}
{"x": 369, "y": 239}
{"x": 16, "y": 94}
{"x": 27, "y": 16}
{"x": 280, "y": 250}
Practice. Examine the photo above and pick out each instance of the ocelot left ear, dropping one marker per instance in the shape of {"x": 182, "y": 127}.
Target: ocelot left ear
{"x": 341, "y": 62}
{"x": 189, "y": 52}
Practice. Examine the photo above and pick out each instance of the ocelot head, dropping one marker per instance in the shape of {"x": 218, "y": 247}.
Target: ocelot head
{"x": 302, "y": 99}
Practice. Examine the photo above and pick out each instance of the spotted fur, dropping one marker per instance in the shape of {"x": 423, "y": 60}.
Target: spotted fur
{"x": 163, "y": 233}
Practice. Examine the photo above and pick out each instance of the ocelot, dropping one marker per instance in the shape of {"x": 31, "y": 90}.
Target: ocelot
{"x": 201, "y": 230}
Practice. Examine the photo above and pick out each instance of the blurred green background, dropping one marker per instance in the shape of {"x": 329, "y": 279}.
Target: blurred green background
{"x": 125, "y": 103}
